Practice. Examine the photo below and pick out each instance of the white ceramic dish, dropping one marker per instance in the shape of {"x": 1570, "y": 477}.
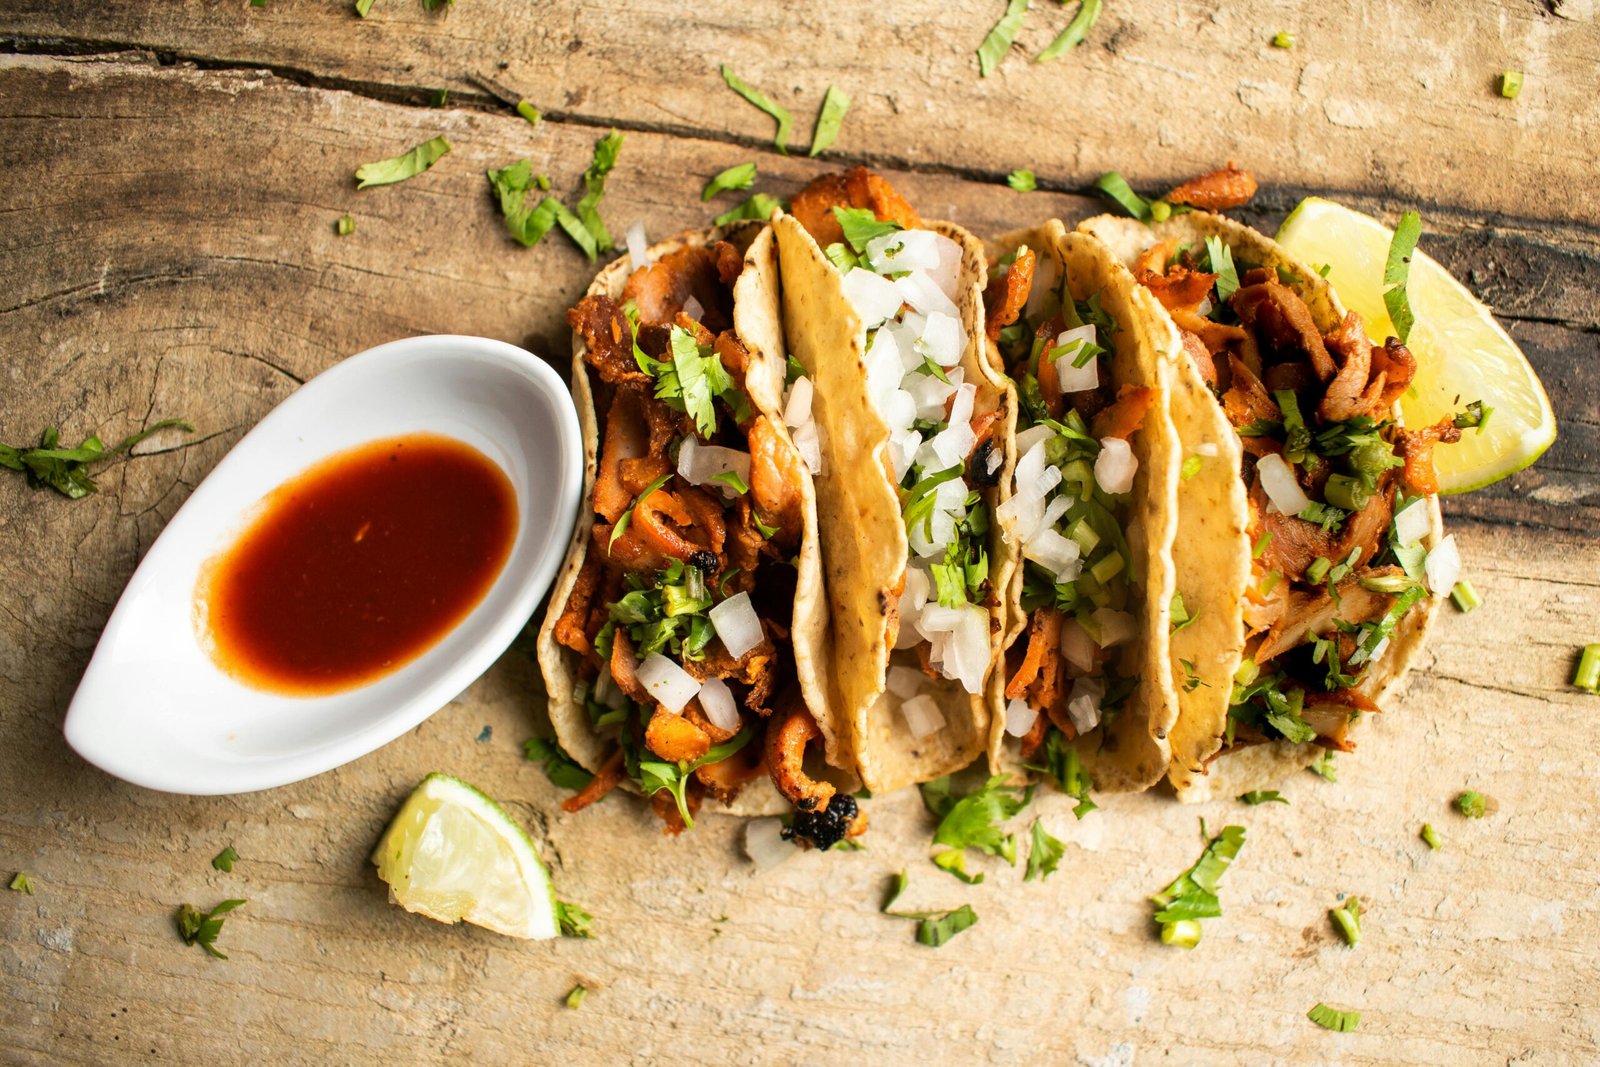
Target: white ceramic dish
{"x": 155, "y": 710}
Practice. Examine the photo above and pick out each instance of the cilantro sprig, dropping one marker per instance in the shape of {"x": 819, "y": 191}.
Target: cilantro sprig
{"x": 66, "y": 470}
{"x": 653, "y": 776}
{"x": 761, "y": 100}
{"x": 201, "y": 928}
{"x": 934, "y": 928}
{"x": 1192, "y": 896}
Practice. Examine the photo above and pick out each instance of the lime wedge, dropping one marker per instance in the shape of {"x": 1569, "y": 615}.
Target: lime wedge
{"x": 1462, "y": 353}
{"x": 452, "y": 854}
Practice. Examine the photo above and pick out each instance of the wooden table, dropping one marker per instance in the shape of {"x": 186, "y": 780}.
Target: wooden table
{"x": 169, "y": 179}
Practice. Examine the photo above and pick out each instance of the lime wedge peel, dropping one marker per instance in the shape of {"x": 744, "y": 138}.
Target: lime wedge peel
{"x": 454, "y": 855}
{"x": 1462, "y": 353}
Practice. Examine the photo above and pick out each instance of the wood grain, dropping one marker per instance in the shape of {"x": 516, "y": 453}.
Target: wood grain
{"x": 169, "y": 250}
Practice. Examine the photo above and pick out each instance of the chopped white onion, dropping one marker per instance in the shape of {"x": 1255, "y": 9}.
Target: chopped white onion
{"x": 883, "y": 367}
{"x": 1032, "y": 467}
{"x": 1057, "y": 554}
{"x": 1031, "y": 436}
{"x": 1115, "y": 466}
{"x": 1076, "y": 379}
{"x": 639, "y": 248}
{"x": 899, "y": 411}
{"x": 929, "y": 393}
{"x": 1278, "y": 481}
{"x": 922, "y": 716}
{"x": 1377, "y": 653}
{"x": 764, "y": 843}
{"x": 1059, "y": 505}
{"x": 716, "y": 700}
{"x": 961, "y": 405}
{"x": 797, "y": 412}
{"x": 1207, "y": 449}
{"x": 918, "y": 587}
{"x": 874, "y": 297}
{"x": 1115, "y": 626}
{"x": 1044, "y": 289}
{"x": 1443, "y": 566}
{"x": 903, "y": 250}
{"x": 699, "y": 464}
{"x": 947, "y": 275}
{"x": 1083, "y": 704}
{"x": 1078, "y": 646}
{"x": 606, "y": 691}
{"x": 670, "y": 685}
{"x": 925, "y": 294}
{"x": 941, "y": 339}
{"x": 693, "y": 308}
{"x": 808, "y": 442}
{"x": 903, "y": 446}
{"x": 966, "y": 653}
{"x": 992, "y": 464}
{"x": 737, "y": 624}
{"x": 1020, "y": 717}
{"x": 1413, "y": 522}
{"x": 904, "y": 682}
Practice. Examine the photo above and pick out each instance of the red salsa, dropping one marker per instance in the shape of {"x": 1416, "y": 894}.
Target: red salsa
{"x": 357, "y": 565}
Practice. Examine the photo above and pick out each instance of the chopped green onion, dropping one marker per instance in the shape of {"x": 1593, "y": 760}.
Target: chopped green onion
{"x": 1430, "y": 836}
{"x": 1022, "y": 181}
{"x": 1396, "y": 272}
{"x": 363, "y": 7}
{"x": 999, "y": 39}
{"x": 1185, "y": 933}
{"x": 1261, "y": 544}
{"x": 1160, "y": 211}
{"x": 741, "y": 176}
{"x": 1511, "y": 84}
{"x": 834, "y": 105}
{"x": 1318, "y": 569}
{"x": 1348, "y": 918}
{"x": 575, "y": 997}
{"x": 761, "y": 100}
{"x": 1588, "y": 676}
{"x": 1283, "y": 39}
{"x": 1334, "y": 1019}
{"x": 1471, "y": 803}
{"x": 1078, "y": 29}
{"x": 407, "y": 165}
{"x": 346, "y": 225}
{"x": 1465, "y": 596}
{"x": 1117, "y": 188}
{"x": 22, "y": 883}
{"x": 1191, "y": 467}
{"x": 529, "y": 112}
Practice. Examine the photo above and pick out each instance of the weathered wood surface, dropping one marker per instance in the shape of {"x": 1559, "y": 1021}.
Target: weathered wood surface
{"x": 168, "y": 250}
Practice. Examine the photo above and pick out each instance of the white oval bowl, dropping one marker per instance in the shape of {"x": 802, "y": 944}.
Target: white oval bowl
{"x": 154, "y": 709}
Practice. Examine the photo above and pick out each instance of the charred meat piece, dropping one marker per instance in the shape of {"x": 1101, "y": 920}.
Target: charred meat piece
{"x": 1282, "y": 325}
{"x": 1217, "y": 191}
{"x": 1006, "y": 296}
{"x": 859, "y": 188}
{"x": 826, "y": 828}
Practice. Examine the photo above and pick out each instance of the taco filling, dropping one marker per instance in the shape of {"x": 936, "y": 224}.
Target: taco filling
{"x": 682, "y": 611}
{"x": 1336, "y": 488}
{"x": 1075, "y": 443}
{"x": 902, "y": 281}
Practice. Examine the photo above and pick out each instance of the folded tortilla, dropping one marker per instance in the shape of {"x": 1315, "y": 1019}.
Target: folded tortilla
{"x": 864, "y": 537}
{"x": 1213, "y": 552}
{"x": 1128, "y": 749}
{"x": 756, "y": 321}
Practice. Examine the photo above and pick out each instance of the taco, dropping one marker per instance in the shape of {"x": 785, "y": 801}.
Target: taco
{"x": 1085, "y": 692}
{"x": 681, "y": 647}
{"x": 1311, "y": 549}
{"x": 885, "y": 313}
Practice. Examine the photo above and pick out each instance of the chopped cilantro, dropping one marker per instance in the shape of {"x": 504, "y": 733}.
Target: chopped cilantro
{"x": 954, "y": 862}
{"x": 1117, "y": 188}
{"x": 345, "y": 225}
{"x": 1323, "y": 766}
{"x": 1044, "y": 853}
{"x": 860, "y": 225}
{"x": 1262, "y": 796}
{"x": 594, "y": 187}
{"x": 1192, "y": 896}
{"x": 627, "y": 516}
{"x": 935, "y": 928}
{"x": 1022, "y": 181}
{"x": 562, "y": 770}
{"x": 1348, "y": 918}
{"x": 834, "y": 104}
{"x": 1221, "y": 260}
{"x": 761, "y": 100}
{"x": 1511, "y": 84}
{"x": 1283, "y": 39}
{"x": 999, "y": 39}
{"x": 759, "y": 208}
{"x": 1334, "y": 1018}
{"x": 527, "y": 223}
{"x": 22, "y": 882}
{"x": 655, "y": 775}
{"x": 1398, "y": 270}
{"x": 66, "y": 470}
{"x": 1063, "y": 766}
{"x": 201, "y": 928}
{"x": 973, "y": 821}
{"x": 897, "y": 886}
{"x": 740, "y": 176}
{"x": 1472, "y": 804}
{"x": 408, "y": 164}
{"x": 224, "y": 860}
{"x": 1430, "y": 836}
{"x": 575, "y": 997}
{"x": 1180, "y": 615}
{"x": 1069, "y": 38}
{"x": 573, "y": 920}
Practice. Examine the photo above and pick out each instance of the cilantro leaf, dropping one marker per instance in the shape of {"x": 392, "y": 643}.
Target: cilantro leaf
{"x": 224, "y": 860}
{"x": 834, "y": 105}
{"x": 1181, "y": 616}
{"x": 1022, "y": 181}
{"x": 999, "y": 39}
{"x": 408, "y": 164}
{"x": 1078, "y": 29}
{"x": 739, "y": 176}
{"x": 1397, "y": 271}
{"x": 954, "y": 862}
{"x": 1064, "y": 767}
{"x": 974, "y": 820}
{"x": 935, "y": 930}
{"x": 696, "y": 379}
{"x": 860, "y": 225}
{"x": 201, "y": 928}
{"x": 562, "y": 770}
{"x": 627, "y": 516}
{"x": 1044, "y": 856}
{"x": 527, "y": 224}
{"x": 606, "y": 150}
{"x": 22, "y": 883}
{"x": 1221, "y": 258}
{"x": 1324, "y": 766}
{"x": 1117, "y": 188}
{"x": 1334, "y": 1018}
{"x": 1262, "y": 796}
{"x": 1193, "y": 894}
{"x": 66, "y": 470}
{"x": 896, "y": 888}
{"x": 758, "y": 208}
{"x": 761, "y": 100}
{"x": 573, "y": 920}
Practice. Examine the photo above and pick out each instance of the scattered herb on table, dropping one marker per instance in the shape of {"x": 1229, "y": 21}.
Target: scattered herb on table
{"x": 1283, "y": 39}
{"x": 224, "y": 860}
{"x": 201, "y": 928}
{"x": 22, "y": 883}
{"x": 739, "y": 176}
{"x": 363, "y": 7}
{"x": 562, "y": 770}
{"x": 1397, "y": 271}
{"x": 934, "y": 928}
{"x": 1044, "y": 853}
{"x": 1323, "y": 766}
{"x": 408, "y": 164}
{"x": 759, "y": 207}
{"x": 1430, "y": 836}
{"x": 1465, "y": 597}
{"x": 529, "y": 112}
{"x": 974, "y": 820}
{"x": 834, "y": 105}
{"x": 66, "y": 470}
{"x": 1117, "y": 188}
{"x": 573, "y": 920}
{"x": 1000, "y": 37}
{"x": 606, "y": 150}
{"x": 1348, "y": 918}
{"x": 1586, "y": 677}
{"x": 1263, "y": 796}
{"x": 761, "y": 100}
{"x": 1193, "y": 894}
{"x": 575, "y": 997}
{"x": 1022, "y": 181}
{"x": 346, "y": 225}
{"x": 1334, "y": 1018}
{"x": 1075, "y": 33}
{"x": 1511, "y": 84}
{"x": 954, "y": 862}
{"x": 1471, "y": 803}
